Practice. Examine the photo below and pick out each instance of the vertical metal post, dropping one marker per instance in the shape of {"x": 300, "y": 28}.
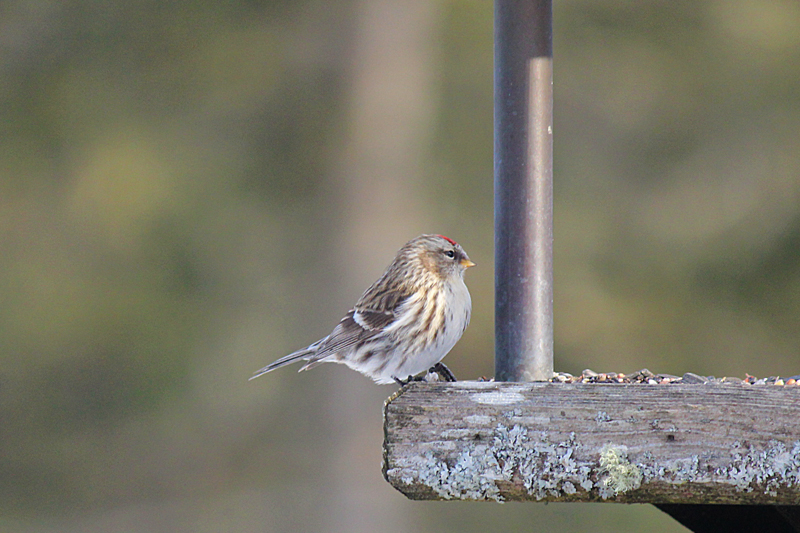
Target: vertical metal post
{"x": 523, "y": 185}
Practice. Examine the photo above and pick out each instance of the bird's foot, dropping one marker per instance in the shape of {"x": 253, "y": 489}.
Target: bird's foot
{"x": 408, "y": 380}
{"x": 438, "y": 372}
{"x": 444, "y": 373}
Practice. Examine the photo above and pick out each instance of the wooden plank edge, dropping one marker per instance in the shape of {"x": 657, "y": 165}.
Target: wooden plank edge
{"x": 516, "y": 462}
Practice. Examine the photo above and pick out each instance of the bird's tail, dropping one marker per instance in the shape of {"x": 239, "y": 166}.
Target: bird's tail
{"x": 305, "y": 353}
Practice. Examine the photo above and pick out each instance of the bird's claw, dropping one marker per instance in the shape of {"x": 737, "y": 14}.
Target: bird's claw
{"x": 444, "y": 373}
{"x": 408, "y": 380}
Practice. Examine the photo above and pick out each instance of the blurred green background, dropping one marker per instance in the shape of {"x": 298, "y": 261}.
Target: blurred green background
{"x": 190, "y": 190}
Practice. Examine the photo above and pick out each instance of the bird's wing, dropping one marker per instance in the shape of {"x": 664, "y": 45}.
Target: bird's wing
{"x": 352, "y": 330}
{"x": 359, "y": 325}
{"x": 373, "y": 320}
{"x": 383, "y": 298}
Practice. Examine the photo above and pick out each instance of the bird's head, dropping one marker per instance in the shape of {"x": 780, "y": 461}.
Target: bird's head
{"x": 438, "y": 255}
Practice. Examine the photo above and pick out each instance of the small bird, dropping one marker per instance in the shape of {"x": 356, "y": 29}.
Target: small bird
{"x": 406, "y": 322}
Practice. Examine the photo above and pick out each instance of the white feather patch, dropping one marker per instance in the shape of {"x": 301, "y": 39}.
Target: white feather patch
{"x": 359, "y": 319}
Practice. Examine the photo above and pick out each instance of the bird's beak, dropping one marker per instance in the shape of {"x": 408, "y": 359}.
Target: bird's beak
{"x": 466, "y": 263}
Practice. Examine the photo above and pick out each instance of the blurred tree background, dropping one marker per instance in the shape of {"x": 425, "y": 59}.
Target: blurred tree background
{"x": 189, "y": 190}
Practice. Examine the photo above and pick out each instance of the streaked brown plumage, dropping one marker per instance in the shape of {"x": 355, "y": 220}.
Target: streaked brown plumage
{"x": 405, "y": 322}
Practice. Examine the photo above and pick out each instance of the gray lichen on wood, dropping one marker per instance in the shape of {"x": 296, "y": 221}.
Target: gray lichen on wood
{"x": 626, "y": 443}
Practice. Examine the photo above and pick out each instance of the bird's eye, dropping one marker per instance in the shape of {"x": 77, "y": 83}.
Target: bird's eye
{"x": 450, "y": 253}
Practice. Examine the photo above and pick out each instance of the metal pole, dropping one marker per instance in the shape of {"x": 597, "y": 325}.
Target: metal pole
{"x": 523, "y": 184}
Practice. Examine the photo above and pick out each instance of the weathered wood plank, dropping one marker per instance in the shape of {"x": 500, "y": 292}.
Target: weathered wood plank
{"x": 727, "y": 444}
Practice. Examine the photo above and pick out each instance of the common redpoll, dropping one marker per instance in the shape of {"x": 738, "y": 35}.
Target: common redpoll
{"x": 406, "y": 322}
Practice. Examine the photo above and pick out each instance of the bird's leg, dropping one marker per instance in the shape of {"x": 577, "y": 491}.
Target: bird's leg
{"x": 443, "y": 371}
